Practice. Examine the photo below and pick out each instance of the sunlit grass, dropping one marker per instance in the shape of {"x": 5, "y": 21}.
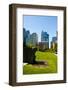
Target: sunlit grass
{"x": 49, "y": 57}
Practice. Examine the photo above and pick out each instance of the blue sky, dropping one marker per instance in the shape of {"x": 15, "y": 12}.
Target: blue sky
{"x": 39, "y": 23}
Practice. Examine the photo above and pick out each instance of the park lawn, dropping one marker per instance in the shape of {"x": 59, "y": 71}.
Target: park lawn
{"x": 49, "y": 57}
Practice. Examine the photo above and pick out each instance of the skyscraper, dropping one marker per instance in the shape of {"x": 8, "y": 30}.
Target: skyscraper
{"x": 30, "y": 40}
{"x": 54, "y": 42}
{"x": 54, "y": 39}
{"x": 34, "y": 39}
{"x": 45, "y": 39}
{"x": 27, "y": 38}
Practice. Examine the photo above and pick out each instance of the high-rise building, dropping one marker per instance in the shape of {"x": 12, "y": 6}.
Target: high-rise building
{"x": 43, "y": 46}
{"x": 27, "y": 38}
{"x": 54, "y": 42}
{"x": 54, "y": 39}
{"x": 33, "y": 39}
{"x": 45, "y": 39}
{"x": 30, "y": 39}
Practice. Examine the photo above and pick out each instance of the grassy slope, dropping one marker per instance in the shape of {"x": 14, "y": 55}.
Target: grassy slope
{"x": 47, "y": 56}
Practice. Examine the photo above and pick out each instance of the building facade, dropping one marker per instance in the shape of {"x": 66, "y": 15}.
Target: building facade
{"x": 54, "y": 43}
{"x": 30, "y": 40}
{"x": 43, "y": 46}
{"x": 44, "y": 40}
{"x": 34, "y": 39}
{"x": 26, "y": 36}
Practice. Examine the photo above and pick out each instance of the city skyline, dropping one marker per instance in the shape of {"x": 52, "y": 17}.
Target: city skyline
{"x": 31, "y": 40}
{"x": 35, "y": 33}
{"x": 37, "y": 24}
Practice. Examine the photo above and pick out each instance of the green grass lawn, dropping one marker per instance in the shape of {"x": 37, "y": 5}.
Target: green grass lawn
{"x": 49, "y": 57}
